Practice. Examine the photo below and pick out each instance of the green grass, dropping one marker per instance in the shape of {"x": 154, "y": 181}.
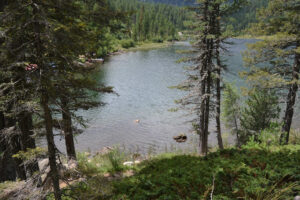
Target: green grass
{"x": 255, "y": 172}
{"x": 6, "y": 185}
{"x": 229, "y": 174}
{"x": 108, "y": 163}
{"x": 148, "y": 46}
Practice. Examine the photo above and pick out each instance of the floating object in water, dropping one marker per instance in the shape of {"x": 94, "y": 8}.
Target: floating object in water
{"x": 180, "y": 138}
{"x": 137, "y": 121}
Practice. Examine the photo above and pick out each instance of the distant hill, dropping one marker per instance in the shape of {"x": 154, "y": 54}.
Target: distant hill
{"x": 237, "y": 22}
{"x": 173, "y": 2}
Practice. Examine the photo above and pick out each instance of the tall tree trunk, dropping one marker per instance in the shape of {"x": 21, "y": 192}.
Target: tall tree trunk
{"x": 237, "y": 132}
{"x": 44, "y": 101}
{"x": 51, "y": 146}
{"x": 15, "y": 147}
{"x": 2, "y": 121}
{"x": 203, "y": 84}
{"x": 218, "y": 103}
{"x": 7, "y": 166}
{"x": 218, "y": 81}
{"x": 68, "y": 131}
{"x": 289, "y": 112}
{"x": 28, "y": 142}
{"x": 13, "y": 144}
{"x": 207, "y": 94}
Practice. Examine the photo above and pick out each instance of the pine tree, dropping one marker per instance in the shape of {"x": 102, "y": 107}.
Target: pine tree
{"x": 280, "y": 21}
{"x": 262, "y": 108}
{"x": 205, "y": 79}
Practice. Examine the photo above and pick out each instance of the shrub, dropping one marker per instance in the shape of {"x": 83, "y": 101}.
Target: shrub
{"x": 262, "y": 108}
{"x": 127, "y": 43}
{"x": 116, "y": 159}
{"x": 158, "y": 40}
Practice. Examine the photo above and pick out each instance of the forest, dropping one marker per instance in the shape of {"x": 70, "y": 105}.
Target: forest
{"x": 74, "y": 78}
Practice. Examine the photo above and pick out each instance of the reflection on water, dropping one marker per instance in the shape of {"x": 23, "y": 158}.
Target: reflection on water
{"x": 142, "y": 80}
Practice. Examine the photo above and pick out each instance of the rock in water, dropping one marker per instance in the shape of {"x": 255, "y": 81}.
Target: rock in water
{"x": 181, "y": 138}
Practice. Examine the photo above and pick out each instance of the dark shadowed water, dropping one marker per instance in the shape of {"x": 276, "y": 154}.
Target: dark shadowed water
{"x": 142, "y": 80}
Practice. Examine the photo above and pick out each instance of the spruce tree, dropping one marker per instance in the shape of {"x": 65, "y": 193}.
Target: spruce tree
{"x": 205, "y": 77}
{"x": 262, "y": 108}
{"x": 278, "y": 54}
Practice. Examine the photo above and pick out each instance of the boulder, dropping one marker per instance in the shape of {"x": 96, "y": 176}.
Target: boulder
{"x": 180, "y": 138}
{"x": 131, "y": 163}
{"x": 128, "y": 163}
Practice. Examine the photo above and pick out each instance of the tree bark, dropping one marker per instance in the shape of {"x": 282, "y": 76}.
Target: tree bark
{"x": 289, "y": 112}
{"x": 68, "y": 131}
{"x": 7, "y": 166}
{"x": 28, "y": 142}
{"x": 218, "y": 102}
{"x": 203, "y": 83}
{"x": 13, "y": 145}
{"x": 218, "y": 73}
{"x": 44, "y": 101}
{"x": 51, "y": 146}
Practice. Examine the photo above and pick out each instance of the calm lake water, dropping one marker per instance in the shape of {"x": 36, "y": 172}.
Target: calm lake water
{"x": 142, "y": 80}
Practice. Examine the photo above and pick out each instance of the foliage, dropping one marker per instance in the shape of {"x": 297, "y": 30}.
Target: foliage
{"x": 267, "y": 138}
{"x": 146, "y": 21}
{"x": 127, "y": 43}
{"x": 237, "y": 22}
{"x": 253, "y": 173}
{"x": 31, "y": 154}
{"x": 116, "y": 159}
{"x": 111, "y": 162}
{"x": 262, "y": 108}
{"x": 275, "y": 61}
{"x": 231, "y": 109}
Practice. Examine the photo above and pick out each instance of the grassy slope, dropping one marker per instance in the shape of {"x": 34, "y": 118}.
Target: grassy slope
{"x": 229, "y": 174}
{"x": 250, "y": 173}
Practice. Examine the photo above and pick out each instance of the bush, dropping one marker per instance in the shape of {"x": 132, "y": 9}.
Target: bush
{"x": 262, "y": 108}
{"x": 158, "y": 40}
{"x": 116, "y": 159}
{"x": 127, "y": 43}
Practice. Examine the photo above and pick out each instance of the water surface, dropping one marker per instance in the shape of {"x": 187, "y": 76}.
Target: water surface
{"x": 142, "y": 80}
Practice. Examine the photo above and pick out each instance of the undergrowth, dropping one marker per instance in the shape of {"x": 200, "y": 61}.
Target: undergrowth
{"x": 255, "y": 172}
{"x": 249, "y": 173}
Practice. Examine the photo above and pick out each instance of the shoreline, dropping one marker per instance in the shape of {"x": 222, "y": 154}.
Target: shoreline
{"x": 141, "y": 47}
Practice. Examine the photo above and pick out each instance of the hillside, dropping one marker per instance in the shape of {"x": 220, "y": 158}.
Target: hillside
{"x": 237, "y": 22}
{"x": 174, "y": 2}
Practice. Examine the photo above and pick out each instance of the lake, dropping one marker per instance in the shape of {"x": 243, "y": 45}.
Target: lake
{"x": 142, "y": 80}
